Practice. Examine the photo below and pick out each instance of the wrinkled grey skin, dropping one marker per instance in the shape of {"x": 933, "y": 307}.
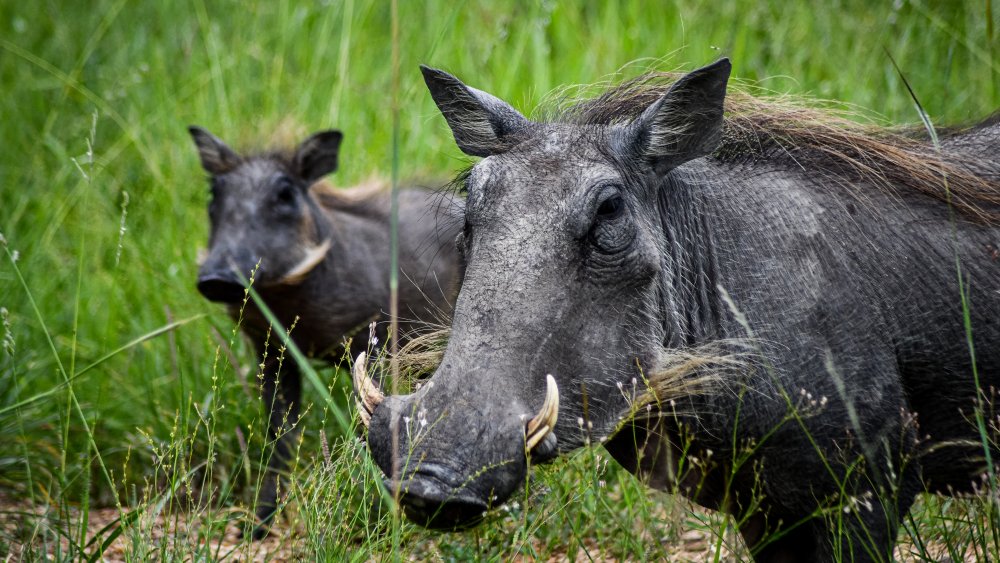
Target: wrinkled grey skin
{"x": 589, "y": 249}
{"x": 263, "y": 208}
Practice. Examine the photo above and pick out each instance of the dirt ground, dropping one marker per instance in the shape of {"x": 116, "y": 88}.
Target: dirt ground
{"x": 23, "y": 536}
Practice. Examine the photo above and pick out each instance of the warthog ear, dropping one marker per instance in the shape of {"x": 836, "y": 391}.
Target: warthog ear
{"x": 317, "y": 156}
{"x": 216, "y": 156}
{"x": 686, "y": 123}
{"x": 481, "y": 122}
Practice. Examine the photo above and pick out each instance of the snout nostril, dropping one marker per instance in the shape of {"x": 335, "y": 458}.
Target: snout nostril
{"x": 220, "y": 288}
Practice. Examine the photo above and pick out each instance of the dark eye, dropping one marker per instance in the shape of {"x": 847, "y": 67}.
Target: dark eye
{"x": 610, "y": 207}
{"x": 285, "y": 193}
{"x": 609, "y": 233}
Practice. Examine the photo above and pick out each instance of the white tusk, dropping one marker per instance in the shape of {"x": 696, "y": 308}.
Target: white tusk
{"x": 545, "y": 421}
{"x": 368, "y": 394}
{"x": 534, "y": 439}
{"x": 313, "y": 257}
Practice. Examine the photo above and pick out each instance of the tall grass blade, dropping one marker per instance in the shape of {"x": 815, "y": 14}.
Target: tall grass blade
{"x": 963, "y": 293}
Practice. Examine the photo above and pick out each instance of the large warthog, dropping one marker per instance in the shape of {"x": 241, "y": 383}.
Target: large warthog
{"x": 320, "y": 261}
{"x": 630, "y": 229}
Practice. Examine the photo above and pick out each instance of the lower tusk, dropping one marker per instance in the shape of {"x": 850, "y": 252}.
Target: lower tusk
{"x": 368, "y": 394}
{"x": 545, "y": 421}
{"x": 536, "y": 438}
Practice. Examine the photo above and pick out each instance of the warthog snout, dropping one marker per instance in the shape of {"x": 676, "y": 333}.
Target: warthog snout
{"x": 427, "y": 498}
{"x": 218, "y": 277}
{"x": 451, "y": 457}
{"x": 220, "y": 286}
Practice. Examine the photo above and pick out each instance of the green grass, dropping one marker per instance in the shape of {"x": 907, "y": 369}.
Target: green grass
{"x": 102, "y": 202}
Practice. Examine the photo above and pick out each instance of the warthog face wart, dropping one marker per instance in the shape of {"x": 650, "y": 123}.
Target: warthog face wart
{"x": 562, "y": 256}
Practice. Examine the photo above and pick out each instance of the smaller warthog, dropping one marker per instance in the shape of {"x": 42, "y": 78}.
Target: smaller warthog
{"x": 320, "y": 260}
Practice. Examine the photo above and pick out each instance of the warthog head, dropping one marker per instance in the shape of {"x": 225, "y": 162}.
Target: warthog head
{"x": 561, "y": 305}
{"x": 261, "y": 211}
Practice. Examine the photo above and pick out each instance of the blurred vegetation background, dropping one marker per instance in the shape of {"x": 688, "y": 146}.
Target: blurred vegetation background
{"x": 102, "y": 199}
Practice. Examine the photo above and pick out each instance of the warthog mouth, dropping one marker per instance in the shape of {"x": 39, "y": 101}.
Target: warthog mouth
{"x": 427, "y": 500}
{"x": 439, "y": 491}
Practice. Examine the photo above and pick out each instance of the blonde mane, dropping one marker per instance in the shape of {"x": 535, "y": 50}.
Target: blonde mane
{"x": 797, "y": 133}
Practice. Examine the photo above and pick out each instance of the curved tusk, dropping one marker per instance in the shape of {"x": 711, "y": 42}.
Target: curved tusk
{"x": 368, "y": 394}
{"x": 545, "y": 421}
{"x": 313, "y": 256}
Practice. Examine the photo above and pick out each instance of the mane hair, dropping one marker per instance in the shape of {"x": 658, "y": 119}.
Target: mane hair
{"x": 798, "y": 133}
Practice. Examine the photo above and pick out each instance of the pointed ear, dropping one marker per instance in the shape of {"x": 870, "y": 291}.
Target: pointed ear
{"x": 686, "y": 123}
{"x": 216, "y": 156}
{"x": 481, "y": 122}
{"x": 317, "y": 156}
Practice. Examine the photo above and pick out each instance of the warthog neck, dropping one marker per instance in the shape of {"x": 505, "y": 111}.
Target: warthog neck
{"x": 688, "y": 285}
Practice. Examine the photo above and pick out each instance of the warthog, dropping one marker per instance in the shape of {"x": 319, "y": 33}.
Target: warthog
{"x": 635, "y": 227}
{"x": 324, "y": 262}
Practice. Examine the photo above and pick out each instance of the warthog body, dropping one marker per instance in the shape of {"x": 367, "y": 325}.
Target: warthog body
{"x": 323, "y": 268}
{"x": 642, "y": 225}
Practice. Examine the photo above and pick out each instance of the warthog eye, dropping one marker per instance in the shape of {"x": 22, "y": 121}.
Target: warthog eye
{"x": 286, "y": 192}
{"x": 610, "y": 207}
{"x": 608, "y": 233}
